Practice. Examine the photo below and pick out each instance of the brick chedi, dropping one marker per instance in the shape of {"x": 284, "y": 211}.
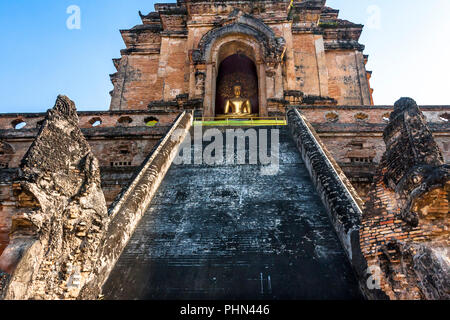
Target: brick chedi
{"x": 405, "y": 229}
{"x": 74, "y": 186}
{"x": 301, "y": 51}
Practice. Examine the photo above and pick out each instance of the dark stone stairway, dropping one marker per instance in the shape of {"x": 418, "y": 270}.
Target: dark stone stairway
{"x": 228, "y": 232}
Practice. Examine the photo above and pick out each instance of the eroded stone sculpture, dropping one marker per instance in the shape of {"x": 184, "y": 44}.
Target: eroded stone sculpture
{"x": 406, "y": 226}
{"x": 57, "y": 233}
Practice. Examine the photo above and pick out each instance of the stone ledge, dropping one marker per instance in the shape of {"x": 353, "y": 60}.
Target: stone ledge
{"x": 362, "y": 107}
{"x": 88, "y": 113}
{"x": 91, "y": 132}
{"x": 367, "y": 127}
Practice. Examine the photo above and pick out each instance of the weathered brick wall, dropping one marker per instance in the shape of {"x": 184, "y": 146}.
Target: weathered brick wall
{"x": 174, "y": 68}
{"x": 346, "y": 69}
{"x": 136, "y": 82}
{"x": 305, "y": 60}
{"x": 131, "y": 118}
{"x": 363, "y": 114}
{"x": 151, "y": 77}
{"x": 119, "y": 155}
{"x": 382, "y": 229}
{"x": 117, "y": 139}
{"x": 383, "y": 224}
{"x": 117, "y": 150}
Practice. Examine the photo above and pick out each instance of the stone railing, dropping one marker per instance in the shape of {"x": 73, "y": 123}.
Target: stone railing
{"x": 131, "y": 204}
{"x": 341, "y": 201}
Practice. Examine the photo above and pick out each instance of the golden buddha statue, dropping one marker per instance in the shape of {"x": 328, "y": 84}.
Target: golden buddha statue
{"x": 238, "y": 106}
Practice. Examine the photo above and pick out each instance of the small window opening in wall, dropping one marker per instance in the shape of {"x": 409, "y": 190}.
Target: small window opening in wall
{"x": 95, "y": 122}
{"x": 445, "y": 117}
{"x": 125, "y": 120}
{"x": 124, "y": 151}
{"x": 151, "y": 121}
{"x": 19, "y": 124}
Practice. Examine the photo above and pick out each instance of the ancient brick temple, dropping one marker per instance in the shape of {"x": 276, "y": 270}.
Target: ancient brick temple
{"x": 299, "y": 51}
{"x": 93, "y": 205}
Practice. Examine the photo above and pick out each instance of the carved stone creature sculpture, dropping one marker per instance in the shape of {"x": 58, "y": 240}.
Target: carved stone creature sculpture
{"x": 57, "y": 233}
{"x": 405, "y": 230}
{"x": 413, "y": 162}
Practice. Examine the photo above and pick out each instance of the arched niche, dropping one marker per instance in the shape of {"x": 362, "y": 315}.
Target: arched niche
{"x": 236, "y": 70}
{"x": 227, "y": 46}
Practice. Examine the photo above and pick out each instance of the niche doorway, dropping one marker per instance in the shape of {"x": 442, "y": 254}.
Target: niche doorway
{"x": 237, "y": 70}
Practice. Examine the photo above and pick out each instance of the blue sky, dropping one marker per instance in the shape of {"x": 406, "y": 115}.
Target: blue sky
{"x": 407, "y": 41}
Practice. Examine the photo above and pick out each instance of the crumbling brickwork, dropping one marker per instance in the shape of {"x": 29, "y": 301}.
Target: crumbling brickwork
{"x": 405, "y": 228}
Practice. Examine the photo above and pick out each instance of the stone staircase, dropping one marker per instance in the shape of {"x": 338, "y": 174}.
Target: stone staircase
{"x": 231, "y": 232}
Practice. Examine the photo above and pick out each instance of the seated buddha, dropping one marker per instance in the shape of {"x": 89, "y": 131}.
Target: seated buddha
{"x": 238, "y": 106}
